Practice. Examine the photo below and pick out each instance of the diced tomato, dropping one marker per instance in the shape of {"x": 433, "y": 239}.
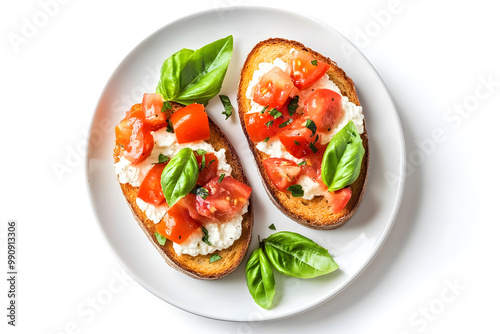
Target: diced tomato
{"x": 306, "y": 70}
{"x": 297, "y": 141}
{"x": 273, "y": 89}
{"x": 132, "y": 135}
{"x": 312, "y": 168}
{"x": 154, "y": 118}
{"x": 150, "y": 189}
{"x": 177, "y": 224}
{"x": 262, "y": 125}
{"x": 191, "y": 123}
{"x": 225, "y": 199}
{"x": 141, "y": 143}
{"x": 283, "y": 172}
{"x": 324, "y": 108}
{"x": 338, "y": 199}
{"x": 209, "y": 168}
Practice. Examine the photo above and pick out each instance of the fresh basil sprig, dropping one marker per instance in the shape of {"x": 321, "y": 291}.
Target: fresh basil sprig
{"x": 295, "y": 255}
{"x": 179, "y": 176}
{"x": 260, "y": 279}
{"x": 291, "y": 254}
{"x": 228, "y": 107}
{"x": 341, "y": 163}
{"x": 190, "y": 76}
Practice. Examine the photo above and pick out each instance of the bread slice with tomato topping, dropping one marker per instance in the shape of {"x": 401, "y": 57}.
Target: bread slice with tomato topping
{"x": 330, "y": 210}
{"x": 199, "y": 266}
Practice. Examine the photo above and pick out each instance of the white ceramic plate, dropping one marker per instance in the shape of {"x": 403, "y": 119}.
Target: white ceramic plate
{"x": 354, "y": 245}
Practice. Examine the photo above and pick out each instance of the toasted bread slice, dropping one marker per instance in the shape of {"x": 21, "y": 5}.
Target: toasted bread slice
{"x": 314, "y": 213}
{"x": 198, "y": 266}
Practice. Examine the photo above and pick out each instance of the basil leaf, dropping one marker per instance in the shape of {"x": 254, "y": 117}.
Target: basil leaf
{"x": 296, "y": 190}
{"x": 221, "y": 177}
{"x": 170, "y": 126}
{"x": 166, "y": 106}
{"x": 200, "y": 191}
{"x": 260, "y": 279}
{"x": 314, "y": 62}
{"x": 266, "y": 140}
{"x": 228, "y": 107}
{"x": 268, "y": 124}
{"x": 341, "y": 163}
{"x": 195, "y": 76}
{"x": 160, "y": 238}
{"x": 293, "y": 105}
{"x": 205, "y": 236}
{"x": 272, "y": 227}
{"x": 295, "y": 255}
{"x": 285, "y": 123}
{"x": 311, "y": 126}
{"x": 275, "y": 113}
{"x": 214, "y": 257}
{"x": 162, "y": 158}
{"x": 302, "y": 163}
{"x": 179, "y": 176}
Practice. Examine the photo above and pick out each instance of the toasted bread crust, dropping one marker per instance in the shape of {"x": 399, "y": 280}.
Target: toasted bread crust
{"x": 314, "y": 213}
{"x": 198, "y": 266}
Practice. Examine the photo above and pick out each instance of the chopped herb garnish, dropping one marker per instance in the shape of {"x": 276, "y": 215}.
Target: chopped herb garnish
{"x": 266, "y": 139}
{"x": 311, "y": 126}
{"x": 313, "y": 148}
{"x": 268, "y": 124}
{"x": 170, "y": 127}
{"x": 285, "y": 123}
{"x": 272, "y": 227}
{"x": 201, "y": 152}
{"x": 200, "y": 191}
{"x": 221, "y": 177}
{"x": 210, "y": 162}
{"x": 275, "y": 113}
{"x": 166, "y": 105}
{"x": 162, "y": 158}
{"x": 263, "y": 109}
{"x": 215, "y": 257}
{"x": 228, "y": 107}
{"x": 205, "y": 236}
{"x": 314, "y": 62}
{"x": 296, "y": 142}
{"x": 292, "y": 106}
{"x": 302, "y": 163}
{"x": 160, "y": 238}
{"x": 296, "y": 190}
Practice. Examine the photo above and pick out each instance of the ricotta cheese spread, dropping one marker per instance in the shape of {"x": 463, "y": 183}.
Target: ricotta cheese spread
{"x": 274, "y": 148}
{"x": 221, "y": 235}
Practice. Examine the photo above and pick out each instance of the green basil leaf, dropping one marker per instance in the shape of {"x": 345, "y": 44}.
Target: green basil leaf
{"x": 341, "y": 163}
{"x": 221, "y": 177}
{"x": 160, "y": 238}
{"x": 293, "y": 105}
{"x": 296, "y": 190}
{"x": 162, "y": 158}
{"x": 285, "y": 123}
{"x": 311, "y": 126}
{"x": 272, "y": 227}
{"x": 170, "y": 126}
{"x": 314, "y": 62}
{"x": 205, "y": 236}
{"x": 260, "y": 279}
{"x": 295, "y": 255}
{"x": 195, "y": 76}
{"x": 228, "y": 107}
{"x": 179, "y": 176}
{"x": 214, "y": 257}
{"x": 166, "y": 106}
{"x": 171, "y": 70}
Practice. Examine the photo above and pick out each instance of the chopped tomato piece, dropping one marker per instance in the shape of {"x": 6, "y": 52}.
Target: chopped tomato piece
{"x": 297, "y": 140}
{"x": 177, "y": 224}
{"x": 338, "y": 199}
{"x": 150, "y": 189}
{"x": 324, "y": 108}
{"x": 141, "y": 143}
{"x": 225, "y": 199}
{"x": 207, "y": 167}
{"x": 191, "y": 123}
{"x": 306, "y": 70}
{"x": 154, "y": 118}
{"x": 273, "y": 89}
{"x": 132, "y": 135}
{"x": 262, "y": 125}
{"x": 283, "y": 172}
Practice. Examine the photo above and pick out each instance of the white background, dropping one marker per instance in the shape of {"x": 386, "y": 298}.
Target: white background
{"x": 436, "y": 272}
